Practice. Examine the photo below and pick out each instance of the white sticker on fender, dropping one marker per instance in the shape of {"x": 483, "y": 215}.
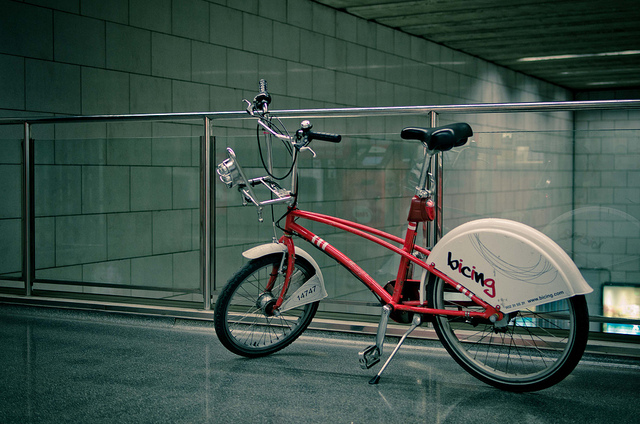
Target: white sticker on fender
{"x": 311, "y": 291}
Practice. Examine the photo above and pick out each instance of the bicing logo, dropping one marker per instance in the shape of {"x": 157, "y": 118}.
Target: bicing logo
{"x": 473, "y": 274}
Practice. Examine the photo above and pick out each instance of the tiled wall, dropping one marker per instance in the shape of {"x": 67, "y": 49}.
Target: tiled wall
{"x": 118, "y": 202}
{"x": 606, "y": 236}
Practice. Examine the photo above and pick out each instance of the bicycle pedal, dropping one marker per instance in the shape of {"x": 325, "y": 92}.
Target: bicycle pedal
{"x": 369, "y": 357}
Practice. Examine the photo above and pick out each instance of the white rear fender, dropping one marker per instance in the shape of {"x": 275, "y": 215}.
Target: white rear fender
{"x": 312, "y": 291}
{"x": 507, "y": 264}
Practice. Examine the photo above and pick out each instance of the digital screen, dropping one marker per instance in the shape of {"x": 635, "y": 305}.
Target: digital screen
{"x": 621, "y": 301}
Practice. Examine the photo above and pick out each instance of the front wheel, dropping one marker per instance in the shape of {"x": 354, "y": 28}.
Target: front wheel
{"x": 244, "y": 318}
{"x": 528, "y": 350}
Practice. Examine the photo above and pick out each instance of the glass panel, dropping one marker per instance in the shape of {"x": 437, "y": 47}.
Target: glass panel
{"x": 587, "y": 202}
{"x": 605, "y": 240}
{"x": 368, "y": 178}
{"x": 10, "y": 213}
{"x": 120, "y": 215}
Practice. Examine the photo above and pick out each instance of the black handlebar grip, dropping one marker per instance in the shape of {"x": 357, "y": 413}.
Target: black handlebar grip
{"x": 333, "y": 138}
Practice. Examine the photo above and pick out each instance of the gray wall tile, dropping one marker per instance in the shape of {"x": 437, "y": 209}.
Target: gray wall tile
{"x": 150, "y": 14}
{"x": 170, "y": 56}
{"x": 150, "y": 188}
{"x": 257, "y": 34}
{"x": 78, "y": 39}
{"x": 171, "y": 144}
{"x": 129, "y": 235}
{"x": 190, "y": 19}
{"x": 190, "y": 97}
{"x": 115, "y": 272}
{"x": 186, "y": 270}
{"x": 71, "y": 6}
{"x": 104, "y": 92}
{"x": 128, "y": 49}
{"x": 171, "y": 231}
{"x": 52, "y": 87}
{"x": 10, "y": 191}
{"x": 112, "y": 10}
{"x": 26, "y": 30}
{"x": 150, "y": 94}
{"x": 105, "y": 189}
{"x": 62, "y": 273}
{"x": 152, "y": 271}
{"x": 186, "y": 188}
{"x": 226, "y": 26}
{"x": 129, "y": 151}
{"x": 208, "y": 63}
{"x": 12, "y": 82}
{"x": 80, "y": 152}
{"x": 10, "y": 237}
{"x": 242, "y": 69}
{"x": 81, "y": 239}
{"x": 57, "y": 190}
{"x": 45, "y": 239}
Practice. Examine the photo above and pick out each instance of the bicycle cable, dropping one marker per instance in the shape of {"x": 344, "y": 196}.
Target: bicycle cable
{"x": 287, "y": 146}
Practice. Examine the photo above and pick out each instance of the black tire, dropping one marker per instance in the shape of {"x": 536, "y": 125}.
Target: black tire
{"x": 242, "y": 315}
{"x": 535, "y": 349}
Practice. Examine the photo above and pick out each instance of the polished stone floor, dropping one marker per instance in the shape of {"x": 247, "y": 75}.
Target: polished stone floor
{"x": 62, "y": 366}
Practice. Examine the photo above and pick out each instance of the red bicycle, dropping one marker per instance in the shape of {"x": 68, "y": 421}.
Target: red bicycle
{"x": 505, "y": 300}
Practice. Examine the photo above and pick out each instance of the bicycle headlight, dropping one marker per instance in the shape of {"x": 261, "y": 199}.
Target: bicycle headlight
{"x": 228, "y": 172}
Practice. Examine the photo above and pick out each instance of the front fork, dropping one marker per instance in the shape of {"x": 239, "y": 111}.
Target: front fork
{"x": 288, "y": 256}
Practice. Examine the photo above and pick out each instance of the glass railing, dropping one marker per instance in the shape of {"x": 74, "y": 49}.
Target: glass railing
{"x": 11, "y": 194}
{"x": 119, "y": 215}
{"x": 125, "y": 209}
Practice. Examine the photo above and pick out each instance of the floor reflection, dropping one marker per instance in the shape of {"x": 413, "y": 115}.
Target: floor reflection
{"x": 59, "y": 368}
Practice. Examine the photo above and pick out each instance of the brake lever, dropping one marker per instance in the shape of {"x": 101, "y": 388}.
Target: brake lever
{"x": 309, "y": 149}
{"x": 249, "y": 107}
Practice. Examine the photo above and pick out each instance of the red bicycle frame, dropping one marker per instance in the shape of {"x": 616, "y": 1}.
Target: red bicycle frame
{"x": 292, "y": 227}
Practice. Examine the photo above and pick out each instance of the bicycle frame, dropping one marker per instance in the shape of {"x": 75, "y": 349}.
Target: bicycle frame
{"x": 292, "y": 227}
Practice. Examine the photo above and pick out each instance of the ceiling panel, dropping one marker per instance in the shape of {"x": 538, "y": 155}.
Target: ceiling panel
{"x": 577, "y": 44}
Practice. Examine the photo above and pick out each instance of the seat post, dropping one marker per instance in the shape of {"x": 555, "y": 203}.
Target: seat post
{"x": 422, "y": 189}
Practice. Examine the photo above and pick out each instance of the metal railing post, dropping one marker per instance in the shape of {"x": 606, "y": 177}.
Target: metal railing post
{"x": 434, "y": 228}
{"x": 438, "y": 170}
{"x": 205, "y": 214}
{"x": 28, "y": 266}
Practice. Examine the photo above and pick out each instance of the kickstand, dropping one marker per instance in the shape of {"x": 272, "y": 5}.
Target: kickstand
{"x": 371, "y": 355}
{"x": 417, "y": 320}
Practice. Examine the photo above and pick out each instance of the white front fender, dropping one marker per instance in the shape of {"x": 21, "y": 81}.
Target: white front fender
{"x": 269, "y": 248}
{"x": 311, "y": 291}
{"x": 507, "y": 264}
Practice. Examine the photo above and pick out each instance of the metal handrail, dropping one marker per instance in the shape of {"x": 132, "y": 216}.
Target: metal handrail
{"x": 344, "y": 112}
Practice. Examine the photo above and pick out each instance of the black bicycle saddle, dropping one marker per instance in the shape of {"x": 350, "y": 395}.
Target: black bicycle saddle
{"x": 440, "y": 138}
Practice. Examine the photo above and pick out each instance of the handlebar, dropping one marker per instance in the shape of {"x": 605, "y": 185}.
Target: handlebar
{"x": 305, "y": 131}
{"x": 259, "y": 109}
{"x": 333, "y": 138}
{"x": 232, "y": 175}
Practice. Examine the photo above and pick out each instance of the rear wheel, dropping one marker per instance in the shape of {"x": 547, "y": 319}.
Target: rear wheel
{"x": 244, "y": 318}
{"x": 528, "y": 350}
